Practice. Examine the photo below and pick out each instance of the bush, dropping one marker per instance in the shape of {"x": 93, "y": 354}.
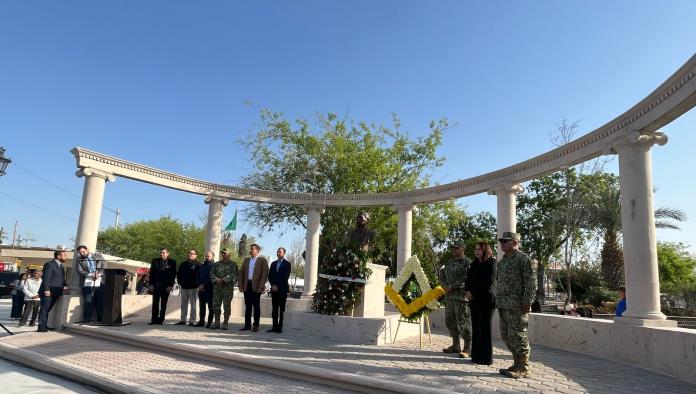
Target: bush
{"x": 596, "y": 295}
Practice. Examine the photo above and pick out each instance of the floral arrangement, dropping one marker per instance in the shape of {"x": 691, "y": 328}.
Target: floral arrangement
{"x": 399, "y": 292}
{"x": 343, "y": 273}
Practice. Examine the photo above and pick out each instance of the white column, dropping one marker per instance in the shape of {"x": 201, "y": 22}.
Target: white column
{"x": 403, "y": 249}
{"x": 90, "y": 214}
{"x": 506, "y": 210}
{"x": 638, "y": 226}
{"x": 311, "y": 267}
{"x": 212, "y": 238}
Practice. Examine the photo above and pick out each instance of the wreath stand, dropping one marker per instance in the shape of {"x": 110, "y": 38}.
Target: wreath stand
{"x": 421, "y": 320}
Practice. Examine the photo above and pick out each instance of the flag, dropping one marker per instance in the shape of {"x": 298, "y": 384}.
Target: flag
{"x": 232, "y": 226}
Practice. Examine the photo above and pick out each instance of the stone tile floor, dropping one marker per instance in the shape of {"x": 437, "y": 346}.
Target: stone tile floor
{"x": 155, "y": 371}
{"x": 554, "y": 370}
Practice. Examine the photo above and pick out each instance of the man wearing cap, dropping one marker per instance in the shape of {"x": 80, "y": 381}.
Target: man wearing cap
{"x": 516, "y": 289}
{"x": 224, "y": 274}
{"x": 457, "y": 315}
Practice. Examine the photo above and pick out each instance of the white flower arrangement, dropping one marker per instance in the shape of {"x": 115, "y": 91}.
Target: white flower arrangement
{"x": 413, "y": 266}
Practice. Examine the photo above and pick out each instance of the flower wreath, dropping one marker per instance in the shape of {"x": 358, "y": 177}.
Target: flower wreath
{"x": 398, "y": 295}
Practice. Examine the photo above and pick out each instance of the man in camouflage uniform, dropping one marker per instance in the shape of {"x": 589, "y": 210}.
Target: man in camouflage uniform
{"x": 457, "y": 314}
{"x": 224, "y": 275}
{"x": 516, "y": 289}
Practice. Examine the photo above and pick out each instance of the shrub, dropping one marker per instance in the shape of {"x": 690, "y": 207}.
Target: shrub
{"x": 596, "y": 295}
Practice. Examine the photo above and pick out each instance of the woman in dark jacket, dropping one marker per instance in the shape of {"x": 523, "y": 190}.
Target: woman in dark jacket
{"x": 18, "y": 296}
{"x": 479, "y": 286}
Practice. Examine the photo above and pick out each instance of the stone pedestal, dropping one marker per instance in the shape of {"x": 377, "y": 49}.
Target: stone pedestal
{"x": 372, "y": 294}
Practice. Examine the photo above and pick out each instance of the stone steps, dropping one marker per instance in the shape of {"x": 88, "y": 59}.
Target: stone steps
{"x": 295, "y": 371}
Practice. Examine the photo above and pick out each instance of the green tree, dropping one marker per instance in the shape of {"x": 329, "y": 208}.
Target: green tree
{"x": 142, "y": 240}
{"x": 337, "y": 155}
{"x": 605, "y": 216}
{"x": 675, "y": 264}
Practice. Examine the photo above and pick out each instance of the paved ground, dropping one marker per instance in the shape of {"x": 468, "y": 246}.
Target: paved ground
{"x": 18, "y": 379}
{"x": 154, "y": 371}
{"x": 27, "y": 380}
{"x": 554, "y": 370}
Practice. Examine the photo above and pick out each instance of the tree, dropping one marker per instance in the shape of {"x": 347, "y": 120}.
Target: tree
{"x": 605, "y": 216}
{"x": 142, "y": 240}
{"x": 675, "y": 265}
{"x": 338, "y": 155}
{"x": 296, "y": 259}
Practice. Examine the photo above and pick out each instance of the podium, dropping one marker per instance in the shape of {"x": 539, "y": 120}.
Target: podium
{"x": 112, "y": 292}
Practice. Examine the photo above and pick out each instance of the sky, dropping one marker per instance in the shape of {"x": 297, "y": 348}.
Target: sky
{"x": 174, "y": 85}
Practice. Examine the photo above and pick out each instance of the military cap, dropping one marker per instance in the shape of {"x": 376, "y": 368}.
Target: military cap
{"x": 226, "y": 251}
{"x": 457, "y": 244}
{"x": 509, "y": 236}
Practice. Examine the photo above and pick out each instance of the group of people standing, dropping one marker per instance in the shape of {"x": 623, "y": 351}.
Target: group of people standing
{"x": 475, "y": 289}
{"x": 25, "y": 298}
{"x": 209, "y": 285}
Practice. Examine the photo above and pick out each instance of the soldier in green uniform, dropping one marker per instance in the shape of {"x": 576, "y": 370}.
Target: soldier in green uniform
{"x": 457, "y": 314}
{"x": 224, "y": 275}
{"x": 516, "y": 289}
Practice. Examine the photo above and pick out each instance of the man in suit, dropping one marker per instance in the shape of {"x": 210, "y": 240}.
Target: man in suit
{"x": 278, "y": 278}
{"x": 90, "y": 267}
{"x": 252, "y": 282}
{"x": 52, "y": 286}
{"x": 162, "y": 276}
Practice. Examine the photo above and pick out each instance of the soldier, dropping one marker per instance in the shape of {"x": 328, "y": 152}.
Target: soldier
{"x": 224, "y": 274}
{"x": 516, "y": 289}
{"x": 457, "y": 315}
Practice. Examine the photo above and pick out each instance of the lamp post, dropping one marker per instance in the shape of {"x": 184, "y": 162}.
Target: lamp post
{"x": 4, "y": 161}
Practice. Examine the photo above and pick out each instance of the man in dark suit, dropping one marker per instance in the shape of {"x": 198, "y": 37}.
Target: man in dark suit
{"x": 162, "y": 276}
{"x": 90, "y": 267}
{"x": 252, "y": 281}
{"x": 278, "y": 278}
{"x": 52, "y": 286}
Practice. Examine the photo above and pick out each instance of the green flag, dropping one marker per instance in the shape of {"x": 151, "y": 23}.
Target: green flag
{"x": 233, "y": 223}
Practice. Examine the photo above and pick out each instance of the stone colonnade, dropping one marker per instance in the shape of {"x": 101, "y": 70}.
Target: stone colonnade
{"x": 637, "y": 214}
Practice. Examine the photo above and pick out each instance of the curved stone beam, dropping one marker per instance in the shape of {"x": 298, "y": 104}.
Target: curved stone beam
{"x": 670, "y": 100}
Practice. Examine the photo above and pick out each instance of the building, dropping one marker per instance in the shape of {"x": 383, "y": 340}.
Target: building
{"x": 20, "y": 258}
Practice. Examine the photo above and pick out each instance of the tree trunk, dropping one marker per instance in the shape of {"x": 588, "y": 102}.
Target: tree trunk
{"x": 612, "y": 261}
{"x": 541, "y": 291}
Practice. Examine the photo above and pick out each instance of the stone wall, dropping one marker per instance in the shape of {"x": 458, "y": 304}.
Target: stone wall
{"x": 669, "y": 351}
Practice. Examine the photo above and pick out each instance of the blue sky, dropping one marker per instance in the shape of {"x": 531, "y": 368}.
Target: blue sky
{"x": 173, "y": 84}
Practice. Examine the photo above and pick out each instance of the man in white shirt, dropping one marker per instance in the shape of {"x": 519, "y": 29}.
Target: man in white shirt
{"x": 252, "y": 281}
{"x": 31, "y": 299}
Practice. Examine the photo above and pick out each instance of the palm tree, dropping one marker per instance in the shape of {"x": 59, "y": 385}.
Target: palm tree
{"x": 606, "y": 217}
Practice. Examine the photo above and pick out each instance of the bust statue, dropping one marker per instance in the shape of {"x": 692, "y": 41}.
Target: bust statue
{"x": 361, "y": 235}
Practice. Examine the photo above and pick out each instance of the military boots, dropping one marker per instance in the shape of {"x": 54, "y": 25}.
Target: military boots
{"x": 466, "y": 351}
{"x": 224, "y": 323}
{"x": 514, "y": 366}
{"x": 216, "y": 325}
{"x": 520, "y": 369}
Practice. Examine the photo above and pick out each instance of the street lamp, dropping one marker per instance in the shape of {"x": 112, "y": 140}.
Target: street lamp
{"x": 4, "y": 161}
